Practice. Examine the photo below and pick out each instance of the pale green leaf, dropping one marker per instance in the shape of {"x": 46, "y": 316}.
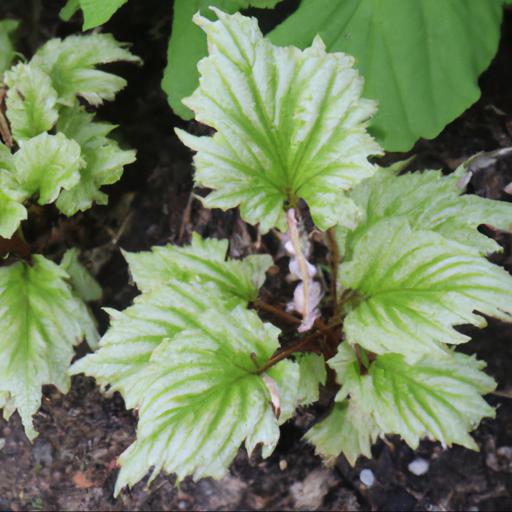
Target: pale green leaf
{"x": 104, "y": 160}
{"x": 69, "y": 9}
{"x": 289, "y": 124}
{"x": 203, "y": 261}
{"x": 430, "y": 201}
{"x": 7, "y": 50}
{"x": 413, "y": 287}
{"x": 202, "y": 399}
{"x": 312, "y": 375}
{"x": 348, "y": 429}
{"x": 71, "y": 64}
{"x": 31, "y": 101}
{"x": 40, "y": 321}
{"x": 82, "y": 280}
{"x": 421, "y": 59}
{"x": 46, "y": 164}
{"x": 187, "y": 46}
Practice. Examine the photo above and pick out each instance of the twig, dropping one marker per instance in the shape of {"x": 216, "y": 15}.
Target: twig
{"x": 5, "y": 131}
{"x": 334, "y": 260}
{"x": 277, "y": 312}
{"x": 287, "y": 352}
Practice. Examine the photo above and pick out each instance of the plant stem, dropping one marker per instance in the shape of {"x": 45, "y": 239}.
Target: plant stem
{"x": 293, "y": 231}
{"x": 277, "y": 312}
{"x": 334, "y": 260}
{"x": 287, "y": 352}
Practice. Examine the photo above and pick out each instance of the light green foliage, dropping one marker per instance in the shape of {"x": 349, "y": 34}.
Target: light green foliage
{"x": 31, "y": 101}
{"x": 414, "y": 286}
{"x": 104, "y": 160}
{"x": 46, "y": 164}
{"x": 437, "y": 397}
{"x": 203, "y": 261}
{"x": 96, "y": 12}
{"x": 71, "y": 63}
{"x": 348, "y": 429}
{"x": 290, "y": 124}
{"x": 202, "y": 399}
{"x": 7, "y": 51}
{"x": 312, "y": 375}
{"x": 40, "y": 321}
{"x": 421, "y": 59}
{"x": 187, "y": 46}
{"x": 430, "y": 201}
{"x": 186, "y": 355}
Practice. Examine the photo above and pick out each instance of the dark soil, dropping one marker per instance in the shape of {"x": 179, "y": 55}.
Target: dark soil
{"x": 72, "y": 464}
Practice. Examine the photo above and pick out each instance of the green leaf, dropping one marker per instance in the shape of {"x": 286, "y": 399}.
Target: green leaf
{"x": 430, "y": 201}
{"x": 437, "y": 397}
{"x": 204, "y": 261}
{"x": 414, "y": 286}
{"x": 69, "y": 9}
{"x": 46, "y": 164}
{"x": 31, "y": 101}
{"x": 202, "y": 399}
{"x": 187, "y": 46}
{"x": 7, "y": 50}
{"x": 348, "y": 429}
{"x": 98, "y": 12}
{"x": 104, "y": 160}
{"x": 82, "y": 280}
{"x": 71, "y": 63}
{"x": 40, "y": 322}
{"x": 421, "y": 59}
{"x": 290, "y": 125}
{"x": 312, "y": 375}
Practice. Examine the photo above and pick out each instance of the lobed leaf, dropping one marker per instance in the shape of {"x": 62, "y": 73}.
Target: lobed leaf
{"x": 81, "y": 279}
{"x": 289, "y": 124}
{"x": 71, "y": 63}
{"x": 40, "y": 321}
{"x": 312, "y": 374}
{"x": 421, "y": 59}
{"x": 202, "y": 400}
{"x": 430, "y": 201}
{"x": 415, "y": 286}
{"x": 46, "y": 164}
{"x": 31, "y": 101}
{"x": 104, "y": 160}
{"x": 204, "y": 261}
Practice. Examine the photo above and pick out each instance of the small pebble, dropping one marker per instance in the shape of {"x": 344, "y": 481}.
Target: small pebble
{"x": 283, "y": 465}
{"x": 367, "y": 477}
{"x": 418, "y": 466}
{"x": 2, "y": 443}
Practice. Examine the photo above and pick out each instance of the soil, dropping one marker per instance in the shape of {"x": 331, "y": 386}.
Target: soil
{"x": 72, "y": 464}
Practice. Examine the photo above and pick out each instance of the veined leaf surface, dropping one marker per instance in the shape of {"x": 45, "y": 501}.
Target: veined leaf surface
{"x": 415, "y": 286}
{"x": 289, "y": 124}
{"x": 40, "y": 322}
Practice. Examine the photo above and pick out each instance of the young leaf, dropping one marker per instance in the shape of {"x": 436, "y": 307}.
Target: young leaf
{"x": 104, "y": 160}
{"x": 71, "y": 63}
{"x": 312, "y": 375}
{"x": 290, "y": 124}
{"x": 204, "y": 261}
{"x": 7, "y": 50}
{"x": 46, "y": 164}
{"x": 430, "y": 201}
{"x": 414, "y": 286}
{"x": 31, "y": 101}
{"x": 421, "y": 59}
{"x": 348, "y": 429}
{"x": 187, "y": 46}
{"x": 40, "y": 321}
{"x": 202, "y": 399}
